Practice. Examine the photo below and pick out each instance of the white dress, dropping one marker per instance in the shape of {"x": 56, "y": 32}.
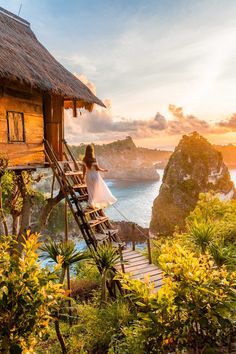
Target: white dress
{"x": 99, "y": 195}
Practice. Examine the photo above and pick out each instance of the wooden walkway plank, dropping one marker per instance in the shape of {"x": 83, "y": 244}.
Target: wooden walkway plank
{"x": 138, "y": 266}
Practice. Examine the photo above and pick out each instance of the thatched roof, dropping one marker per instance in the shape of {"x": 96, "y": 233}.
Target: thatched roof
{"x": 24, "y": 60}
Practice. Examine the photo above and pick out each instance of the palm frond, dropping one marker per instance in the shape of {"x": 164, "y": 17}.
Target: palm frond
{"x": 201, "y": 234}
{"x": 223, "y": 255}
{"x": 67, "y": 250}
{"x": 105, "y": 257}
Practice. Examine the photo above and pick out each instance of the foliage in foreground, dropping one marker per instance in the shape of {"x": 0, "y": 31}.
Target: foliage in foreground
{"x": 195, "y": 308}
{"x": 28, "y": 295}
{"x": 194, "y": 311}
{"x": 64, "y": 253}
{"x": 105, "y": 259}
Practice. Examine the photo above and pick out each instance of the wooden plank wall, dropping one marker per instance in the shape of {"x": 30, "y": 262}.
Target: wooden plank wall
{"x": 54, "y": 123}
{"x": 30, "y": 152}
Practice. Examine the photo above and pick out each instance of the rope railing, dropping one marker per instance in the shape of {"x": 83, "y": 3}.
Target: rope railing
{"x": 147, "y": 237}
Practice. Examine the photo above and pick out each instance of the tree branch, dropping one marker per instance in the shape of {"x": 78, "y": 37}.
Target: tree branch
{"x": 47, "y": 209}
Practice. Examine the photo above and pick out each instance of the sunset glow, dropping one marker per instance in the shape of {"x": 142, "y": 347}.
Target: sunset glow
{"x": 142, "y": 57}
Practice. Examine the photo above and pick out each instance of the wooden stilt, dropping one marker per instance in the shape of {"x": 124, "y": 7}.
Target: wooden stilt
{"x": 68, "y": 268}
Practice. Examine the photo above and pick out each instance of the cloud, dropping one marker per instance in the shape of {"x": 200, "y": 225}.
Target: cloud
{"x": 187, "y": 123}
{"x": 86, "y": 81}
{"x": 101, "y": 125}
{"x": 230, "y": 124}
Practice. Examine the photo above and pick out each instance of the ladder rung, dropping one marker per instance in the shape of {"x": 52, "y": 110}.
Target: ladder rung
{"x": 112, "y": 232}
{"x": 90, "y": 210}
{"x": 100, "y": 237}
{"x": 81, "y": 197}
{"x": 100, "y": 220}
{"x": 73, "y": 173}
{"x": 118, "y": 244}
{"x": 78, "y": 186}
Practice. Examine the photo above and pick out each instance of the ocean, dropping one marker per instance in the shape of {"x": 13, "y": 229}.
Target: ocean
{"x": 135, "y": 198}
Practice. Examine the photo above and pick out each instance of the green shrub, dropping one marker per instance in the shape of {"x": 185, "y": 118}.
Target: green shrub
{"x": 86, "y": 270}
{"x": 97, "y": 326}
{"x": 83, "y": 289}
{"x": 220, "y": 214}
{"x": 28, "y": 295}
{"x": 195, "y": 308}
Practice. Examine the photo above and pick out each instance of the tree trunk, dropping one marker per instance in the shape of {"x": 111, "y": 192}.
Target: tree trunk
{"x": 46, "y": 211}
{"x": 60, "y": 337}
{"x": 3, "y": 166}
{"x": 104, "y": 287}
{"x": 15, "y": 224}
{"x": 26, "y": 208}
{"x": 5, "y": 346}
{"x": 2, "y": 214}
{"x": 63, "y": 274}
{"x": 57, "y": 324}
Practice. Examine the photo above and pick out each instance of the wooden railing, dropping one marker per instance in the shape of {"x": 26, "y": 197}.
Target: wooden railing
{"x": 149, "y": 250}
{"x": 148, "y": 242}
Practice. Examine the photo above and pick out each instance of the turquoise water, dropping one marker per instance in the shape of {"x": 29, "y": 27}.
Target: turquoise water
{"x": 135, "y": 198}
{"x": 135, "y": 201}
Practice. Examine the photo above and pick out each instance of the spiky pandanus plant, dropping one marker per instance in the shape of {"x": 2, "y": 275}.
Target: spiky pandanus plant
{"x": 201, "y": 234}
{"x": 64, "y": 253}
{"x": 105, "y": 258}
{"x": 223, "y": 254}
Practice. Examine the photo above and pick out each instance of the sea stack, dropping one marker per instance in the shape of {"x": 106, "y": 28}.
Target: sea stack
{"x": 194, "y": 167}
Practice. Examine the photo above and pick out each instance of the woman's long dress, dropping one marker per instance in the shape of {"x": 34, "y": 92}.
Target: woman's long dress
{"x": 99, "y": 195}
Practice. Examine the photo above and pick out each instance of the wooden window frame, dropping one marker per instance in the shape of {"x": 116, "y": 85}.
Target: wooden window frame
{"x": 23, "y": 128}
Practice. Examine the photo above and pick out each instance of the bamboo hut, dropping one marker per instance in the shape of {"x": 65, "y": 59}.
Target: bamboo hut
{"x": 34, "y": 90}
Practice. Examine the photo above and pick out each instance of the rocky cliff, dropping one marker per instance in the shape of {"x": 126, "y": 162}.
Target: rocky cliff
{"x": 124, "y": 160}
{"x": 194, "y": 167}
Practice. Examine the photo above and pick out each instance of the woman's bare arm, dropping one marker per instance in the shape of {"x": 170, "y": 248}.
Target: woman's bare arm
{"x": 98, "y": 168}
{"x": 84, "y": 172}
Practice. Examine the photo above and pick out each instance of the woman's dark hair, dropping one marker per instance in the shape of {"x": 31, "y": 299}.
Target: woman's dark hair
{"x": 89, "y": 156}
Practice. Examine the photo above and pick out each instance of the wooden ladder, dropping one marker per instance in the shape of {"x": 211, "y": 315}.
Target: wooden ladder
{"x": 94, "y": 225}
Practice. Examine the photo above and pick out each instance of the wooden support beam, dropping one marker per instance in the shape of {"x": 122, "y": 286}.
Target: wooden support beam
{"x": 74, "y": 109}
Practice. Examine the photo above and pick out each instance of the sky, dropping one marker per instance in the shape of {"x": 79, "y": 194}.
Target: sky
{"x": 163, "y": 67}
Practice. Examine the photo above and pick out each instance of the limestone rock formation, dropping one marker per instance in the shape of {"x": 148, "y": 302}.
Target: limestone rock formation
{"x": 124, "y": 160}
{"x": 194, "y": 167}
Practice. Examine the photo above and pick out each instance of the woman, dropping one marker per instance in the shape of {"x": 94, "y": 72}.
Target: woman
{"x": 99, "y": 195}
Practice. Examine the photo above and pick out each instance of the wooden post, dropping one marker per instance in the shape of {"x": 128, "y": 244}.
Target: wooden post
{"x": 133, "y": 237}
{"x": 74, "y": 109}
{"x": 149, "y": 250}
{"x": 121, "y": 259}
{"x": 133, "y": 245}
{"x": 66, "y": 222}
{"x": 68, "y": 267}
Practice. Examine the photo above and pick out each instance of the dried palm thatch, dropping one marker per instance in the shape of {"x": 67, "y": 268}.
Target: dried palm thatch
{"x": 24, "y": 60}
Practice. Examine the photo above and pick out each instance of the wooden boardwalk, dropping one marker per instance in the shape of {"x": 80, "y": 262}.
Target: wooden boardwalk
{"x": 139, "y": 267}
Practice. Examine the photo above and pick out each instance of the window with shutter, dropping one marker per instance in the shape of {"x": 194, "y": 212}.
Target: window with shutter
{"x": 15, "y": 125}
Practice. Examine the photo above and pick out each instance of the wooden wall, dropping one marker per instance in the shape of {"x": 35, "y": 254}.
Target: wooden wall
{"x": 54, "y": 123}
{"x": 30, "y": 152}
